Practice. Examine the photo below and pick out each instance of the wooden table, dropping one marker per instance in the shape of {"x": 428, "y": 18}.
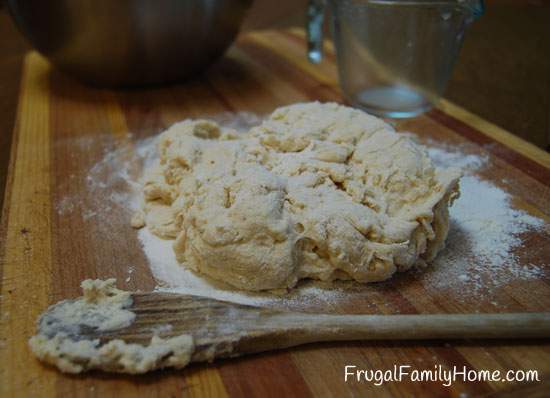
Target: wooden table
{"x": 64, "y": 128}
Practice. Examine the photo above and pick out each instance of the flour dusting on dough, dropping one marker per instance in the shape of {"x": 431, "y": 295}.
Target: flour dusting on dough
{"x": 318, "y": 191}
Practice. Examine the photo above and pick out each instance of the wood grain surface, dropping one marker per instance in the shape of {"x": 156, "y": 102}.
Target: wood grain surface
{"x": 49, "y": 242}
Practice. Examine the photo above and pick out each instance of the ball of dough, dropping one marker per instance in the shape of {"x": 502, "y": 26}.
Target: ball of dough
{"x": 318, "y": 191}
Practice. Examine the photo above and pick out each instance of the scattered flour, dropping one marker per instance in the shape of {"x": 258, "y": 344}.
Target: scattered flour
{"x": 486, "y": 231}
{"x": 481, "y": 245}
{"x": 466, "y": 162}
{"x": 483, "y": 249}
{"x": 130, "y": 272}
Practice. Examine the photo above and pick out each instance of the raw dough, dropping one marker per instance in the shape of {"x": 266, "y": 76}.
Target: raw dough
{"x": 317, "y": 191}
{"x": 103, "y": 307}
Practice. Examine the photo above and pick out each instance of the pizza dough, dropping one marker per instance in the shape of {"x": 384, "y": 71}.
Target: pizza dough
{"x": 318, "y": 191}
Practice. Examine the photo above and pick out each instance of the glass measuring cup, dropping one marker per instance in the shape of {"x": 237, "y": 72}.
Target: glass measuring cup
{"x": 394, "y": 57}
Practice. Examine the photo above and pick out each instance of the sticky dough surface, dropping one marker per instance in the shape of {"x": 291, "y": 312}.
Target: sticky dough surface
{"x": 318, "y": 191}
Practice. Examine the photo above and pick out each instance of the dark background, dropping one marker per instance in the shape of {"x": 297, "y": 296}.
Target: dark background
{"x": 503, "y": 73}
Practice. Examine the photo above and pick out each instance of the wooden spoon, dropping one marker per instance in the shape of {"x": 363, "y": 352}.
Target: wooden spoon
{"x": 221, "y": 329}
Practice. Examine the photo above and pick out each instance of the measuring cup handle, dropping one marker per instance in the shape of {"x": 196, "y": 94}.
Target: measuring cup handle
{"x": 314, "y": 29}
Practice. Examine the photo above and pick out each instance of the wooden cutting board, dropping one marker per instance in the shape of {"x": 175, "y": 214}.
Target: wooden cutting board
{"x": 49, "y": 243}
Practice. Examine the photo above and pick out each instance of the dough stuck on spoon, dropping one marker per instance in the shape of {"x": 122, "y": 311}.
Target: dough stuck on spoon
{"x": 319, "y": 191}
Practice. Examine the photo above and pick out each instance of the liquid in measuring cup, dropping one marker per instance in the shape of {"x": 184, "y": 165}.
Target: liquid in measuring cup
{"x": 391, "y": 101}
